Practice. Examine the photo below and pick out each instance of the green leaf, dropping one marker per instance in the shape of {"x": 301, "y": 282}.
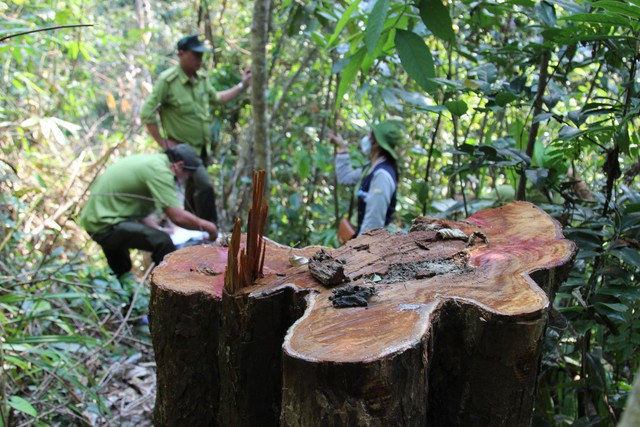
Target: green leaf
{"x": 622, "y": 140}
{"x": 423, "y": 192}
{"x": 304, "y": 166}
{"x": 349, "y": 74}
{"x": 22, "y": 405}
{"x": 619, "y": 307}
{"x": 457, "y": 108}
{"x": 375, "y": 25}
{"x": 599, "y": 18}
{"x": 621, "y": 8}
{"x": 538, "y": 154}
{"x": 436, "y": 17}
{"x": 503, "y": 98}
{"x": 546, "y": 13}
{"x": 346, "y": 16}
{"x": 486, "y": 73}
{"x": 628, "y": 255}
{"x": 625, "y": 292}
{"x": 416, "y": 59}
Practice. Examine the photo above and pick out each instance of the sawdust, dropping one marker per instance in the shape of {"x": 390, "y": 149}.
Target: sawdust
{"x": 423, "y": 270}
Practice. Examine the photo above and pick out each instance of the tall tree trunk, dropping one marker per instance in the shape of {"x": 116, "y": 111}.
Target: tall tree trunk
{"x": 259, "y": 37}
{"x": 543, "y": 77}
{"x": 143, "y": 11}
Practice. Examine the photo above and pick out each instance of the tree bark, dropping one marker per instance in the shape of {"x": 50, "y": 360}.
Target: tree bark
{"x": 448, "y": 330}
{"x": 184, "y": 312}
{"x": 259, "y": 38}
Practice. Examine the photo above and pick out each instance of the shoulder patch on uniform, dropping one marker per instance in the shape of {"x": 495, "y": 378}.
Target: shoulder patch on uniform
{"x": 172, "y": 75}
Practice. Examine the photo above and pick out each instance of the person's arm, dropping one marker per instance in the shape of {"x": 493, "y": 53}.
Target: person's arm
{"x": 345, "y": 174}
{"x": 378, "y": 199}
{"x": 149, "y": 115}
{"x": 187, "y": 220}
{"x": 235, "y": 91}
{"x": 150, "y": 221}
{"x": 154, "y": 131}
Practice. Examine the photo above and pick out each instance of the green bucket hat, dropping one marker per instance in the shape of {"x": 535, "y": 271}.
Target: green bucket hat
{"x": 389, "y": 135}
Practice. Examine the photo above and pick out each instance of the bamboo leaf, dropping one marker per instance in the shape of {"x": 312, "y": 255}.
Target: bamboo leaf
{"x": 599, "y": 18}
{"x": 375, "y": 25}
{"x": 416, "y": 59}
{"x": 624, "y": 9}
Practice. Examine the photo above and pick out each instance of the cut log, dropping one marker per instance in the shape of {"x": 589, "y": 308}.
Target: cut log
{"x": 440, "y": 326}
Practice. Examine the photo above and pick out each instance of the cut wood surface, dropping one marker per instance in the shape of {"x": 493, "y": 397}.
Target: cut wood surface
{"x": 493, "y": 276}
{"x": 451, "y": 333}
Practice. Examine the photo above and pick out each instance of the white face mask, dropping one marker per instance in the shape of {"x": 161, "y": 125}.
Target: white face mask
{"x": 365, "y": 145}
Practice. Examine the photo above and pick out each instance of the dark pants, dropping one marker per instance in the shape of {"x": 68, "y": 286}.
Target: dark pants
{"x": 126, "y": 235}
{"x": 199, "y": 197}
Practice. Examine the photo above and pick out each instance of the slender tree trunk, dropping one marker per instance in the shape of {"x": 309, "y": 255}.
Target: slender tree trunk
{"x": 537, "y": 109}
{"x": 260, "y": 33}
{"x": 143, "y": 11}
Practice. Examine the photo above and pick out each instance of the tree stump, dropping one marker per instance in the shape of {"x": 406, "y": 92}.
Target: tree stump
{"x": 440, "y": 326}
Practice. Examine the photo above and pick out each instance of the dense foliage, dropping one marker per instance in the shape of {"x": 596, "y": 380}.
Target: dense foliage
{"x": 534, "y": 100}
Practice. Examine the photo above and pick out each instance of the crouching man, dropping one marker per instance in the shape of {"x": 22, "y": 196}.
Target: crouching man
{"x": 122, "y": 198}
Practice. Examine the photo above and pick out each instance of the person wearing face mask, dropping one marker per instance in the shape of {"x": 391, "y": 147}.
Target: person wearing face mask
{"x": 379, "y": 179}
{"x": 117, "y": 213}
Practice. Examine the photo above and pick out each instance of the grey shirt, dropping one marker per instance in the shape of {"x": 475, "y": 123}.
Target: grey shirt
{"x": 380, "y": 191}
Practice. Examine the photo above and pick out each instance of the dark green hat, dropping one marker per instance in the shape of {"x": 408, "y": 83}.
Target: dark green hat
{"x": 389, "y": 135}
{"x": 186, "y": 154}
{"x": 192, "y": 43}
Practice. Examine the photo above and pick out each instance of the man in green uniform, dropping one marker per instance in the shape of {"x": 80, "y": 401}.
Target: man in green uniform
{"x": 116, "y": 214}
{"x": 180, "y": 102}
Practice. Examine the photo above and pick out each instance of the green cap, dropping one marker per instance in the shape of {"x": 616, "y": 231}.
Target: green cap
{"x": 186, "y": 154}
{"x": 389, "y": 134}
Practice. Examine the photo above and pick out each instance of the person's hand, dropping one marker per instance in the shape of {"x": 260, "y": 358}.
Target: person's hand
{"x": 337, "y": 140}
{"x": 212, "y": 229}
{"x": 246, "y": 77}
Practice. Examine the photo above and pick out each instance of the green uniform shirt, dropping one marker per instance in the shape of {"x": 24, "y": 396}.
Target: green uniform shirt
{"x": 183, "y": 105}
{"x": 129, "y": 190}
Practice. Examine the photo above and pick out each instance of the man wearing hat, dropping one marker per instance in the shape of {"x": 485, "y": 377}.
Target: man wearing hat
{"x": 180, "y": 103}
{"x": 116, "y": 214}
{"x": 378, "y": 180}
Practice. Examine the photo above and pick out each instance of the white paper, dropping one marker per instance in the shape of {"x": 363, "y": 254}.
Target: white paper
{"x": 181, "y": 235}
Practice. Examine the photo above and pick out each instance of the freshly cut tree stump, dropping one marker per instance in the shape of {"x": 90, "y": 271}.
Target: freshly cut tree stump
{"x": 441, "y": 326}
{"x": 184, "y": 312}
{"x": 187, "y": 323}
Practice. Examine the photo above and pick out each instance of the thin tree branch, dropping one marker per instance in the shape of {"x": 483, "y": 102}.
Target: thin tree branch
{"x": 58, "y": 27}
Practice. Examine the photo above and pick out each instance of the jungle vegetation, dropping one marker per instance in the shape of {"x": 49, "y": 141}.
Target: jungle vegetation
{"x": 533, "y": 100}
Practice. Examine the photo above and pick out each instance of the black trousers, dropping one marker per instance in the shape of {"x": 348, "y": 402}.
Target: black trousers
{"x": 199, "y": 196}
{"x": 117, "y": 241}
